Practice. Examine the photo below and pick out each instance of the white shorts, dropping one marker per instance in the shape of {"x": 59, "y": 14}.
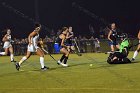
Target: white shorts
{"x": 32, "y": 48}
{"x": 7, "y": 45}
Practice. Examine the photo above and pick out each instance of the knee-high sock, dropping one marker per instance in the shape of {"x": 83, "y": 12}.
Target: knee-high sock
{"x": 135, "y": 54}
{"x": 42, "y": 62}
{"x": 62, "y": 58}
{"x": 2, "y": 53}
{"x": 12, "y": 57}
{"x": 22, "y": 60}
{"x": 65, "y": 60}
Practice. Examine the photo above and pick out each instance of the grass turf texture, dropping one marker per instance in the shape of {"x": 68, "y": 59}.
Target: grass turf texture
{"x": 80, "y": 77}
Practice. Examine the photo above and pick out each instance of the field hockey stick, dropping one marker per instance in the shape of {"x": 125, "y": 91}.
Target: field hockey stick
{"x": 78, "y": 52}
{"x": 49, "y": 54}
{"x": 111, "y": 52}
{"x": 77, "y": 45}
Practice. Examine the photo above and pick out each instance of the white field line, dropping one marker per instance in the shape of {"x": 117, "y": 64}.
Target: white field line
{"x": 115, "y": 89}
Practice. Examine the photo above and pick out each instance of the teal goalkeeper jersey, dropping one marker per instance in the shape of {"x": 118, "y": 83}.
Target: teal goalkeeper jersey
{"x": 125, "y": 43}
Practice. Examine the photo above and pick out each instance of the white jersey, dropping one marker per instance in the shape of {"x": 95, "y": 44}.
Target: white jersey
{"x": 7, "y": 43}
{"x": 33, "y": 47}
{"x": 35, "y": 40}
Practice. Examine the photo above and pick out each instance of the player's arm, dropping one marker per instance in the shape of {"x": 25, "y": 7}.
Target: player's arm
{"x": 62, "y": 43}
{"x": 71, "y": 35}
{"x": 5, "y": 38}
{"x": 67, "y": 36}
{"x": 41, "y": 43}
{"x": 126, "y": 50}
{"x": 109, "y": 34}
{"x": 30, "y": 36}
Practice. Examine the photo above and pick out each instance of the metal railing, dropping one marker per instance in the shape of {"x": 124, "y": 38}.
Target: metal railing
{"x": 86, "y": 46}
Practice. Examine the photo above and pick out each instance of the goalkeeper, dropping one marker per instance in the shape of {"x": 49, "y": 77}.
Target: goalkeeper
{"x": 120, "y": 56}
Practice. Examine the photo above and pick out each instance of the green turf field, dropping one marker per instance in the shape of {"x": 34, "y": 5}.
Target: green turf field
{"x": 80, "y": 77}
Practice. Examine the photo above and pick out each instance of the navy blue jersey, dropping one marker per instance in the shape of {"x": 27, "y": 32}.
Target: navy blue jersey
{"x": 114, "y": 35}
{"x": 69, "y": 40}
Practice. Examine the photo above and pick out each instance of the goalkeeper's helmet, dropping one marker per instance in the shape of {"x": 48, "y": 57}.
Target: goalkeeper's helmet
{"x": 124, "y": 36}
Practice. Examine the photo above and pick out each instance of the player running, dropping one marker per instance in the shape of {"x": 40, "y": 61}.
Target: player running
{"x": 71, "y": 42}
{"x": 69, "y": 38}
{"x": 7, "y": 45}
{"x": 64, "y": 49}
{"x": 33, "y": 47}
{"x": 112, "y": 37}
{"x": 138, "y": 48}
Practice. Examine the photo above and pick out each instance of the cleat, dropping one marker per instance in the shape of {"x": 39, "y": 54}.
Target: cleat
{"x": 17, "y": 66}
{"x": 59, "y": 62}
{"x": 13, "y": 61}
{"x": 45, "y": 68}
{"x": 64, "y": 65}
{"x": 132, "y": 59}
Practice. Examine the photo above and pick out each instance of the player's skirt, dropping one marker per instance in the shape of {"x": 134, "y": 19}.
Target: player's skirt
{"x": 32, "y": 48}
{"x": 7, "y": 44}
{"x": 69, "y": 42}
{"x": 114, "y": 43}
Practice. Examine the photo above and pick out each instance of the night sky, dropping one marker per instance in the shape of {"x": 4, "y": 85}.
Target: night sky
{"x": 54, "y": 14}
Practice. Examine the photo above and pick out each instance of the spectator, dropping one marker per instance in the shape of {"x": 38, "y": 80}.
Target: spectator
{"x": 97, "y": 45}
{"x": 23, "y": 45}
{"x": 52, "y": 33}
{"x": 92, "y": 43}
